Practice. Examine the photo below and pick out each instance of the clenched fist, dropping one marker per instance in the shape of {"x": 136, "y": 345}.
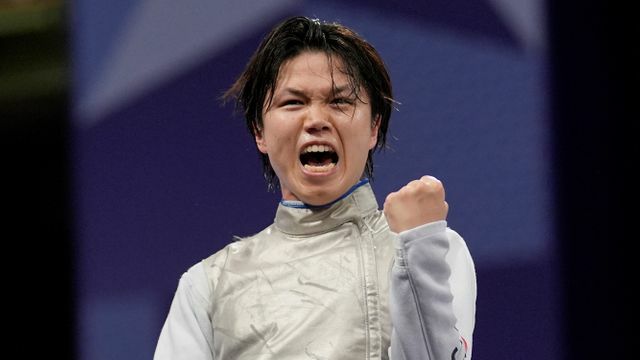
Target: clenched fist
{"x": 417, "y": 203}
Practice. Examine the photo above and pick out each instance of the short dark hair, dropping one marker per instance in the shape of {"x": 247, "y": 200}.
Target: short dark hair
{"x": 362, "y": 64}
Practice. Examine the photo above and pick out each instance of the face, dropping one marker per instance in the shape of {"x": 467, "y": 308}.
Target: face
{"x": 316, "y": 132}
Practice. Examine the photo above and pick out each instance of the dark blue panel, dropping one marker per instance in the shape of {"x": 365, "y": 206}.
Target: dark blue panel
{"x": 473, "y": 18}
{"x": 97, "y": 27}
{"x": 519, "y": 314}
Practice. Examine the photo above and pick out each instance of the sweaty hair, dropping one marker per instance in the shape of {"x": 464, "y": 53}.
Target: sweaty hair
{"x": 253, "y": 90}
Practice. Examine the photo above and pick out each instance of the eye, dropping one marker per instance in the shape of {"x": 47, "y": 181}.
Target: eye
{"x": 291, "y": 102}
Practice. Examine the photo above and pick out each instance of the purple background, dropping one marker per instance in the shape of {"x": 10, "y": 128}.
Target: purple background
{"x": 164, "y": 175}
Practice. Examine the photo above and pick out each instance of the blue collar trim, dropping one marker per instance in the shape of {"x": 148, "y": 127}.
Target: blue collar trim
{"x": 300, "y": 205}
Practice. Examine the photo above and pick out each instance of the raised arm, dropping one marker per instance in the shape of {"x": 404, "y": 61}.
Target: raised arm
{"x": 433, "y": 285}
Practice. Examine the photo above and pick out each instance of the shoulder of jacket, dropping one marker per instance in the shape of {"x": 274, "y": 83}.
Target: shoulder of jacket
{"x": 214, "y": 264}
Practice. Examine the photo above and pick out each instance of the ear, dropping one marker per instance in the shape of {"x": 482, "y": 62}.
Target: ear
{"x": 260, "y": 140}
{"x": 373, "y": 140}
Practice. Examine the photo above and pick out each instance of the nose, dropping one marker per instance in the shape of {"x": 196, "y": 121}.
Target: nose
{"x": 317, "y": 121}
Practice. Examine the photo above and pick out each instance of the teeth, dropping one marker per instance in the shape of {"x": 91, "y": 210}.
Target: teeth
{"x": 318, "y": 169}
{"x": 318, "y": 148}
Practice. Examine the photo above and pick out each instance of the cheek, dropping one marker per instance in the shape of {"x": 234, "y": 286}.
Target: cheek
{"x": 359, "y": 146}
{"x": 281, "y": 141}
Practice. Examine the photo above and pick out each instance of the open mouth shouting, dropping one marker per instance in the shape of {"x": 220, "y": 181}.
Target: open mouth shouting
{"x": 318, "y": 158}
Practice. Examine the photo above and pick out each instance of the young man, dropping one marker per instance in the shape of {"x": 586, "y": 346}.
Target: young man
{"x": 333, "y": 277}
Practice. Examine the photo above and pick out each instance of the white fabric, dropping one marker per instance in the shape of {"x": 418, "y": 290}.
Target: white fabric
{"x": 431, "y": 289}
{"x": 187, "y": 335}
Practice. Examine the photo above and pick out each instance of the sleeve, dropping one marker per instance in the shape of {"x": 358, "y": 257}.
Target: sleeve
{"x": 187, "y": 332}
{"x": 433, "y": 295}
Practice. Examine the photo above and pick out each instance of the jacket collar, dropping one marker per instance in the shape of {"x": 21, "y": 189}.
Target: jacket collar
{"x": 296, "y": 218}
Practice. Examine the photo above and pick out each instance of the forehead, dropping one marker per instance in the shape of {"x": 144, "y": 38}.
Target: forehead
{"x": 311, "y": 69}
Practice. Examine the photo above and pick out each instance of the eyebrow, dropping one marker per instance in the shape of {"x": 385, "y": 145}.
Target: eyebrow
{"x": 294, "y": 91}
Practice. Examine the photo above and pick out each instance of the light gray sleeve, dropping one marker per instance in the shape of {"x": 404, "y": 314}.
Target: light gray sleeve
{"x": 187, "y": 332}
{"x": 433, "y": 293}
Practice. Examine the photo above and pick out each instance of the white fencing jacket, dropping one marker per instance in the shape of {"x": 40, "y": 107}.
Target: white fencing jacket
{"x": 327, "y": 283}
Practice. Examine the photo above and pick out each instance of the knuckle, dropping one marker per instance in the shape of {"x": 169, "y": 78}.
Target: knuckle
{"x": 390, "y": 197}
{"x": 430, "y": 178}
{"x": 389, "y": 200}
{"x": 431, "y": 181}
{"x": 414, "y": 187}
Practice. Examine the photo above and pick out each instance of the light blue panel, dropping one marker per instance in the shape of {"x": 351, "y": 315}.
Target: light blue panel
{"x": 474, "y": 114}
{"x": 160, "y": 40}
{"x": 96, "y": 28}
{"x": 119, "y": 327}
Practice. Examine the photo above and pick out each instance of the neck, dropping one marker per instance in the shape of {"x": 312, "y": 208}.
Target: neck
{"x": 302, "y": 205}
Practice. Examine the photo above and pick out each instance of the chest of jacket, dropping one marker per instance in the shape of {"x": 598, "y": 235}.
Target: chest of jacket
{"x": 317, "y": 296}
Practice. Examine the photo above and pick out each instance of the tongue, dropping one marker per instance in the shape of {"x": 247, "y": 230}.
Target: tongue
{"x": 319, "y": 162}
